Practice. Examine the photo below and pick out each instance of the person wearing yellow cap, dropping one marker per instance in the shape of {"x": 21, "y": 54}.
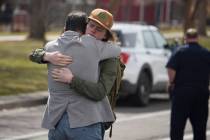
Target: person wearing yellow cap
{"x": 100, "y": 29}
{"x": 99, "y": 24}
{"x": 188, "y": 71}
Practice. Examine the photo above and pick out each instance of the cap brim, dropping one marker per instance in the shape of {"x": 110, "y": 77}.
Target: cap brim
{"x": 99, "y": 23}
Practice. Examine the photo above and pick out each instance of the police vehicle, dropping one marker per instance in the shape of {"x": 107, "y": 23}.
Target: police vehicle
{"x": 145, "y": 57}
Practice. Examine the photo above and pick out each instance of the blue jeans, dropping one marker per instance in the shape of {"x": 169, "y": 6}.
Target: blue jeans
{"x": 63, "y": 131}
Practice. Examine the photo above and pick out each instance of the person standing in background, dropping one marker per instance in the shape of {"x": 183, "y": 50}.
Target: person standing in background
{"x": 188, "y": 71}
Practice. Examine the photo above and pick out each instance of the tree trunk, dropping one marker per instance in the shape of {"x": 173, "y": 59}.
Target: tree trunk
{"x": 202, "y": 14}
{"x": 190, "y": 7}
{"x": 38, "y": 19}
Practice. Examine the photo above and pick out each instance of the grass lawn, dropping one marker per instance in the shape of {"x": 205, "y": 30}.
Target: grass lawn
{"x": 17, "y": 73}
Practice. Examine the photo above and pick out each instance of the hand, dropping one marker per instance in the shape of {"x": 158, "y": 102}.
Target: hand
{"x": 62, "y": 75}
{"x": 170, "y": 90}
{"x": 57, "y": 58}
{"x": 170, "y": 87}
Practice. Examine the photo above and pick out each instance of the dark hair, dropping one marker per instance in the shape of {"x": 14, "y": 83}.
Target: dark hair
{"x": 108, "y": 36}
{"x": 76, "y": 21}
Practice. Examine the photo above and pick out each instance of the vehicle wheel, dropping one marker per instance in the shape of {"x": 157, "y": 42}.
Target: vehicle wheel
{"x": 143, "y": 90}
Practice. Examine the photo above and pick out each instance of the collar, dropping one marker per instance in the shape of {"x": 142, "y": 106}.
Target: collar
{"x": 70, "y": 33}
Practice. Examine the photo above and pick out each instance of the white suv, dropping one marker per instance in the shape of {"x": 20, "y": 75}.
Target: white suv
{"x": 145, "y": 57}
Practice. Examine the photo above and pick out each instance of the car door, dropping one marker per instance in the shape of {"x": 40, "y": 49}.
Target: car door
{"x": 156, "y": 54}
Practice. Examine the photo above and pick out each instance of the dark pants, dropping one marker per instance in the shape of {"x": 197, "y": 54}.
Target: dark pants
{"x": 189, "y": 103}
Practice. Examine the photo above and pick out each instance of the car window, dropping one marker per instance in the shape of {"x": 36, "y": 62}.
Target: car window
{"x": 125, "y": 39}
{"x": 160, "y": 41}
{"x": 149, "y": 39}
{"x": 118, "y": 37}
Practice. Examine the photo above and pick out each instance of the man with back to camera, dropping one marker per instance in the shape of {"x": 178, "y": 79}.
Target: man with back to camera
{"x": 92, "y": 24}
{"x": 188, "y": 71}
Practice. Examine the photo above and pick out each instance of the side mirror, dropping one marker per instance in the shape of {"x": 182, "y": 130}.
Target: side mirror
{"x": 167, "y": 46}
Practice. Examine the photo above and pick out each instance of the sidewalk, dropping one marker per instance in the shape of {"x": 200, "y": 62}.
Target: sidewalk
{"x": 22, "y": 37}
{"x": 23, "y": 100}
{"x": 52, "y": 37}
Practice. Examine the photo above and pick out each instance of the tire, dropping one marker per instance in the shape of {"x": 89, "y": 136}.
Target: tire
{"x": 142, "y": 95}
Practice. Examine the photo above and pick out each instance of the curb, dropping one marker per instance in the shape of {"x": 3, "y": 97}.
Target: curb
{"x": 23, "y": 100}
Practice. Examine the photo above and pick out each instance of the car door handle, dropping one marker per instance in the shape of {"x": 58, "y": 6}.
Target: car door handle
{"x": 148, "y": 52}
{"x": 165, "y": 54}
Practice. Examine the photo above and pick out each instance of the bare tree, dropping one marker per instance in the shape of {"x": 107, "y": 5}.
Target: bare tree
{"x": 190, "y": 7}
{"x": 195, "y": 9}
{"x": 201, "y": 17}
{"x": 38, "y": 10}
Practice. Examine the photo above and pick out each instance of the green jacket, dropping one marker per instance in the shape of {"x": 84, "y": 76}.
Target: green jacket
{"x": 93, "y": 91}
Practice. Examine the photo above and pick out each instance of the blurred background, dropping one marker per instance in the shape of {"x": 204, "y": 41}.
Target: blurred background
{"x": 28, "y": 24}
{"x": 39, "y": 16}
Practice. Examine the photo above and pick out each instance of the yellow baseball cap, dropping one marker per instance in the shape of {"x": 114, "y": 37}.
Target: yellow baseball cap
{"x": 102, "y": 17}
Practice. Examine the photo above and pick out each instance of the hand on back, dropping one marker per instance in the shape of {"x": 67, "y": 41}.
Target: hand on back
{"x": 62, "y": 75}
{"x": 57, "y": 58}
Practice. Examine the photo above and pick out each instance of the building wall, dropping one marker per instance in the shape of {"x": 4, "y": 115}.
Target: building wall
{"x": 149, "y": 11}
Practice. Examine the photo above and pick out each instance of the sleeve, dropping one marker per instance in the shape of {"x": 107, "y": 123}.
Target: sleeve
{"x": 173, "y": 61}
{"x": 206, "y": 55}
{"x": 107, "y": 50}
{"x": 97, "y": 91}
{"x": 37, "y": 56}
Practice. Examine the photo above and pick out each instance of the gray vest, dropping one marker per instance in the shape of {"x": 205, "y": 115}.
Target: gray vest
{"x": 86, "y": 52}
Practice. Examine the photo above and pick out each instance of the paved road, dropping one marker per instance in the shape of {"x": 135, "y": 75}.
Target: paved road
{"x": 133, "y": 123}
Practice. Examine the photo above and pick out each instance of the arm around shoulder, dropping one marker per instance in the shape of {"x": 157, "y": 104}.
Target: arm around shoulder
{"x": 109, "y": 50}
{"x": 97, "y": 91}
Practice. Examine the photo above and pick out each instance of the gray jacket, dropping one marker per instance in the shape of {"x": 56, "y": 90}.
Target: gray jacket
{"x": 86, "y": 52}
